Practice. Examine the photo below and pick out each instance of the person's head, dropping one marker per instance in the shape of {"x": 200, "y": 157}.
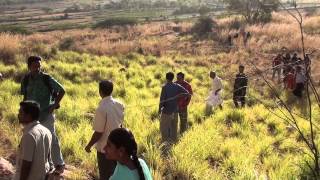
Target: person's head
{"x": 34, "y": 64}
{"x": 180, "y": 76}
{"x": 29, "y": 112}
{"x": 241, "y": 68}
{"x": 105, "y": 88}
{"x": 122, "y": 145}
{"x": 170, "y": 76}
{"x": 212, "y": 74}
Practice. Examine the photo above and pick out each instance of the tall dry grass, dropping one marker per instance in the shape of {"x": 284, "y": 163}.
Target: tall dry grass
{"x": 10, "y": 46}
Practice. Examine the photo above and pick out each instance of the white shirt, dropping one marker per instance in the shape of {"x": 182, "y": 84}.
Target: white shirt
{"x": 109, "y": 116}
{"x": 216, "y": 84}
{"x": 35, "y": 147}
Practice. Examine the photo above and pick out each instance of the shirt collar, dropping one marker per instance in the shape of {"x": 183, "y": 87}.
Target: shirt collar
{"x": 107, "y": 98}
{"x": 30, "y": 125}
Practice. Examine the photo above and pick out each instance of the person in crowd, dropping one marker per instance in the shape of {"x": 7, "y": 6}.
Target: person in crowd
{"x": 183, "y": 102}
{"x": 289, "y": 79}
{"x": 108, "y": 116}
{"x": 300, "y": 82}
{"x": 122, "y": 148}
{"x": 168, "y": 108}
{"x": 240, "y": 87}
{"x": 276, "y": 67}
{"x": 34, "y": 151}
{"x": 294, "y": 59}
{"x": 46, "y": 91}
{"x": 214, "y": 98}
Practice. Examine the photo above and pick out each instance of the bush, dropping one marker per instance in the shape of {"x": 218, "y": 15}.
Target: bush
{"x": 119, "y": 21}
{"x": 15, "y": 29}
{"x": 204, "y": 26}
{"x": 66, "y": 44}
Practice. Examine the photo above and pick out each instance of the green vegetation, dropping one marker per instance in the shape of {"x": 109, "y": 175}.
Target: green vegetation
{"x": 120, "y": 21}
{"x": 231, "y": 144}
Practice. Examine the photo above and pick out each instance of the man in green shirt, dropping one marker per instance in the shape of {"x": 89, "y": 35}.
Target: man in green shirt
{"x": 45, "y": 90}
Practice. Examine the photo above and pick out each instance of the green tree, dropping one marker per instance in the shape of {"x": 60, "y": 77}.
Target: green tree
{"x": 253, "y": 11}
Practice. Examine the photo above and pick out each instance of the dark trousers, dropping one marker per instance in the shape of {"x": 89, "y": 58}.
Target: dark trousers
{"x": 298, "y": 91}
{"x": 183, "y": 115}
{"x": 106, "y": 167}
{"x": 239, "y": 96}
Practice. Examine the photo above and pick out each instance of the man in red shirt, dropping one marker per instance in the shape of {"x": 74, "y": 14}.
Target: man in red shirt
{"x": 183, "y": 102}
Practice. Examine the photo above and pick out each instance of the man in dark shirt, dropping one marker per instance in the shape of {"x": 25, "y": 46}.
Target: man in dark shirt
{"x": 240, "y": 87}
{"x": 183, "y": 103}
{"x": 48, "y": 92}
{"x": 168, "y": 108}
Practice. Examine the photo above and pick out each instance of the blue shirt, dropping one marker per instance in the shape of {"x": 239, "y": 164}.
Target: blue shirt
{"x": 122, "y": 172}
{"x": 169, "y": 97}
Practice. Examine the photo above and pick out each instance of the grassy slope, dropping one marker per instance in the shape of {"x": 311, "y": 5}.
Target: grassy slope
{"x": 244, "y": 144}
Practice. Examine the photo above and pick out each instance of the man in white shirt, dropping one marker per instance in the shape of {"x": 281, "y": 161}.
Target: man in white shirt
{"x": 34, "y": 152}
{"x": 109, "y": 116}
{"x": 214, "y": 98}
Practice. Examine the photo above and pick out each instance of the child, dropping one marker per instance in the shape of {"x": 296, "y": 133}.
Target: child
{"x": 122, "y": 147}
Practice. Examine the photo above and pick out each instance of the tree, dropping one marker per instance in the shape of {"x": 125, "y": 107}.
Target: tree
{"x": 253, "y": 11}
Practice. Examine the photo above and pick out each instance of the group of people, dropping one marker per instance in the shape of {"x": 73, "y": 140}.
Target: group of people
{"x": 39, "y": 154}
{"x": 175, "y": 98}
{"x": 291, "y": 71}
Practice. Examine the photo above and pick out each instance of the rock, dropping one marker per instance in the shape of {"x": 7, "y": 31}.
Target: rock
{"x": 6, "y": 169}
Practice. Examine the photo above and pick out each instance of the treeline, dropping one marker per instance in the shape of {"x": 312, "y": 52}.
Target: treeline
{"x": 10, "y": 2}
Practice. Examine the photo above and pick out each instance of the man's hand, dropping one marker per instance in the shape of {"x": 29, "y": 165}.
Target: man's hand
{"x": 88, "y": 149}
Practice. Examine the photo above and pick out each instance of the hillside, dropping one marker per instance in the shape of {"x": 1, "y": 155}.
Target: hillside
{"x": 250, "y": 143}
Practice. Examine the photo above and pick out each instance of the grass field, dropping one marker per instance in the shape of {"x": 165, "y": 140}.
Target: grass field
{"x": 251, "y": 143}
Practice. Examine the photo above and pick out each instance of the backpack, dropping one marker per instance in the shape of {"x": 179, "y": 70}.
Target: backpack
{"x": 46, "y": 81}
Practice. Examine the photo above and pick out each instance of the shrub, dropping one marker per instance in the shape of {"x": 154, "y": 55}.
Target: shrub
{"x": 204, "y": 26}
{"x": 14, "y": 29}
{"x": 9, "y": 47}
{"x": 119, "y": 21}
{"x": 66, "y": 44}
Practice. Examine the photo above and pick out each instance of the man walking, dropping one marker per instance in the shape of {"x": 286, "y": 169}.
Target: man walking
{"x": 168, "y": 108}
{"x": 214, "y": 98}
{"x": 109, "y": 116}
{"x": 240, "y": 88}
{"x": 183, "y": 103}
{"x": 35, "y": 146}
{"x": 45, "y": 90}
{"x": 276, "y": 67}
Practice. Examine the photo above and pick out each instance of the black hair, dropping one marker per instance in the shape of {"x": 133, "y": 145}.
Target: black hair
{"x": 106, "y": 87}
{"x": 32, "y": 108}
{"x": 181, "y": 74}
{"x": 170, "y": 76}
{"x": 33, "y": 59}
{"x": 122, "y": 137}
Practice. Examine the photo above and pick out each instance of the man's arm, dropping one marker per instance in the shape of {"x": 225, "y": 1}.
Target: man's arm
{"x": 162, "y": 99}
{"x": 57, "y": 87}
{"x": 190, "y": 92}
{"x": 25, "y": 169}
{"x": 94, "y": 139}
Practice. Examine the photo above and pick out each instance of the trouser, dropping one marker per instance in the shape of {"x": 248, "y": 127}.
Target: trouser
{"x": 106, "y": 166}
{"x": 298, "y": 90}
{"x": 183, "y": 115}
{"x": 56, "y": 154}
{"x": 276, "y": 70}
{"x": 168, "y": 127}
{"x": 239, "y": 96}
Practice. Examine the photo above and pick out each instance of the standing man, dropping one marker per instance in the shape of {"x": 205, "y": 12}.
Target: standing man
{"x": 300, "y": 81}
{"x": 214, "y": 98}
{"x": 109, "y": 116}
{"x": 240, "y": 88}
{"x": 276, "y": 66}
{"x": 45, "y": 90}
{"x": 168, "y": 108}
{"x": 35, "y": 146}
{"x": 183, "y": 102}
